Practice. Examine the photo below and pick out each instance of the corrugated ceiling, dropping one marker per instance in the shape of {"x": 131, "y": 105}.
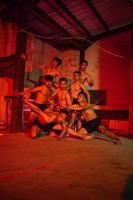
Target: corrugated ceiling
{"x": 69, "y": 23}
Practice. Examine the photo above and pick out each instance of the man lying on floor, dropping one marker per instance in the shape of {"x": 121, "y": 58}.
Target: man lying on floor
{"x": 89, "y": 120}
{"x": 52, "y": 122}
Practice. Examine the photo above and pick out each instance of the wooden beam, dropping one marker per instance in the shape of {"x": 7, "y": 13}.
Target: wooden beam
{"x": 118, "y": 30}
{"x": 82, "y": 55}
{"x": 99, "y": 17}
{"x": 53, "y": 42}
{"x": 16, "y": 119}
{"x": 69, "y": 13}
{"x": 41, "y": 15}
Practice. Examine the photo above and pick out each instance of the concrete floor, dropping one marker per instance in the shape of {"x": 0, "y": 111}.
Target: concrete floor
{"x": 47, "y": 169}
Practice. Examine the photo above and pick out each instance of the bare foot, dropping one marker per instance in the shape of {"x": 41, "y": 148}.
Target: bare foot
{"x": 89, "y": 137}
{"x": 117, "y": 142}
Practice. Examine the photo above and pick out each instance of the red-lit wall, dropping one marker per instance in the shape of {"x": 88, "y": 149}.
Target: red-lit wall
{"x": 114, "y": 75}
{"x": 110, "y": 64}
{"x": 7, "y": 39}
{"x": 131, "y": 98}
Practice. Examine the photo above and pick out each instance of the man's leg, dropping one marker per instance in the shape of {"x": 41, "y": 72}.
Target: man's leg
{"x": 43, "y": 117}
{"x": 81, "y": 133}
{"x": 102, "y": 129}
{"x": 33, "y": 132}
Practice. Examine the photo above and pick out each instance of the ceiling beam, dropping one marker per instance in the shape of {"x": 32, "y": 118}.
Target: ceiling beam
{"x": 41, "y": 15}
{"x": 131, "y": 2}
{"x": 51, "y": 42}
{"x": 114, "y": 31}
{"x": 69, "y": 13}
{"x": 35, "y": 32}
{"x": 99, "y": 17}
{"x": 82, "y": 55}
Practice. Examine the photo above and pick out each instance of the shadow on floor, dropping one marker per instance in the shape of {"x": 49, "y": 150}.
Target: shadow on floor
{"x": 128, "y": 191}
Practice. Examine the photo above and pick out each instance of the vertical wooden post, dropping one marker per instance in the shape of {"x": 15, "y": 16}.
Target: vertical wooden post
{"x": 19, "y": 72}
{"x": 82, "y": 55}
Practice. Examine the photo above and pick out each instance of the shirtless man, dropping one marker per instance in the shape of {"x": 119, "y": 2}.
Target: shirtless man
{"x": 53, "y": 122}
{"x": 67, "y": 71}
{"x": 53, "y": 70}
{"x": 77, "y": 86}
{"x": 62, "y": 96}
{"x": 86, "y": 77}
{"x": 42, "y": 94}
{"x": 90, "y": 121}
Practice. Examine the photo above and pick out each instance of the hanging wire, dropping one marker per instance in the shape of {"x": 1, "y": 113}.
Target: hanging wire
{"x": 68, "y": 38}
{"x": 107, "y": 51}
{"x": 62, "y": 38}
{"x": 78, "y": 38}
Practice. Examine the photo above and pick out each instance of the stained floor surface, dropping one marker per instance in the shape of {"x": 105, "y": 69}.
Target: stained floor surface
{"x": 47, "y": 169}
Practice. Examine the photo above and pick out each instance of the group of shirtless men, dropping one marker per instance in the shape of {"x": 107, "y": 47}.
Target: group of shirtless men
{"x": 57, "y": 108}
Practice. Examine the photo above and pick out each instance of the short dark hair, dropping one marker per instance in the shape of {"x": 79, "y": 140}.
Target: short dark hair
{"x": 84, "y": 61}
{"x": 63, "y": 79}
{"x": 84, "y": 95}
{"x": 77, "y": 72}
{"x": 65, "y": 111}
{"x": 48, "y": 78}
{"x": 58, "y": 60}
{"x": 40, "y": 81}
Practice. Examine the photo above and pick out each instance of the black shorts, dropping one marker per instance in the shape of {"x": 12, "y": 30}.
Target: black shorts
{"x": 91, "y": 125}
{"x": 43, "y": 127}
{"x": 41, "y": 106}
{"x": 58, "y": 132}
{"x": 75, "y": 101}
